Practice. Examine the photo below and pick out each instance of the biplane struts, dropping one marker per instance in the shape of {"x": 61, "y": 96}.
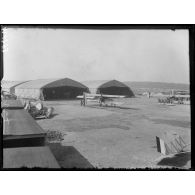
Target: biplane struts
{"x": 101, "y": 99}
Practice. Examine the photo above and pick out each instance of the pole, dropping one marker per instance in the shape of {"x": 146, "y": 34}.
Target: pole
{"x": 84, "y": 98}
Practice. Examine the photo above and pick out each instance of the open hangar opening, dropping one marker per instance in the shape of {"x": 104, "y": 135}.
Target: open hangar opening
{"x": 115, "y": 87}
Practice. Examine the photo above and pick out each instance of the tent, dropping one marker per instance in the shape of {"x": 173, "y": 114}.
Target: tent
{"x": 9, "y": 86}
{"x": 115, "y": 87}
{"x": 50, "y": 89}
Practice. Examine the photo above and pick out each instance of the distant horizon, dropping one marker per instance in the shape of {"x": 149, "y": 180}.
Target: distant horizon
{"x": 135, "y": 81}
{"x": 100, "y": 80}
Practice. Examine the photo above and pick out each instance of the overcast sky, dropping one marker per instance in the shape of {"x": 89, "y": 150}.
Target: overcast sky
{"x": 125, "y": 55}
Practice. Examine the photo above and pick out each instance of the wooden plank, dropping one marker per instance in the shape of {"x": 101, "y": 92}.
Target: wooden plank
{"x": 20, "y": 129}
{"x": 12, "y": 104}
{"x": 29, "y": 157}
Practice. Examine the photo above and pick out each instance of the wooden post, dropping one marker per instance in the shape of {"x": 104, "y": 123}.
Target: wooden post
{"x": 84, "y": 98}
{"x": 172, "y": 92}
{"x": 148, "y": 94}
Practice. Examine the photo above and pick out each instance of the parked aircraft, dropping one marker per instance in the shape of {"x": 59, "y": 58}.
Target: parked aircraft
{"x": 102, "y": 99}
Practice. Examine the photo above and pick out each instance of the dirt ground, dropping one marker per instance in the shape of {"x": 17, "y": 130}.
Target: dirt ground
{"x": 122, "y": 137}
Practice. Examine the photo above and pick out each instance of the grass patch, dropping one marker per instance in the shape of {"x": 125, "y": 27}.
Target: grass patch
{"x": 54, "y": 136}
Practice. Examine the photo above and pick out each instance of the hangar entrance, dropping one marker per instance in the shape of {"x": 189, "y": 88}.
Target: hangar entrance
{"x": 65, "y": 92}
{"x": 115, "y": 91}
{"x": 115, "y": 87}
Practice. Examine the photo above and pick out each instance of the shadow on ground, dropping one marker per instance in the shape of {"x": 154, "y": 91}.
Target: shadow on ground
{"x": 127, "y": 108}
{"x": 113, "y": 107}
{"x": 177, "y": 123}
{"x": 52, "y": 116}
{"x": 178, "y": 160}
{"x": 69, "y": 157}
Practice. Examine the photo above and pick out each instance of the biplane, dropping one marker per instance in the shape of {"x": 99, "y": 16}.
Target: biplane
{"x": 101, "y": 99}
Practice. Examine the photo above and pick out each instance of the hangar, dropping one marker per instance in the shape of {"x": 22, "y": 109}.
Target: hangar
{"x": 50, "y": 89}
{"x": 115, "y": 87}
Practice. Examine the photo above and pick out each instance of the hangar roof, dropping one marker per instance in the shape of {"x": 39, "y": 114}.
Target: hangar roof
{"x": 48, "y": 83}
{"x": 113, "y": 83}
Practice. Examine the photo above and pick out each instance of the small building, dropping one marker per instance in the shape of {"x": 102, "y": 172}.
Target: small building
{"x": 50, "y": 89}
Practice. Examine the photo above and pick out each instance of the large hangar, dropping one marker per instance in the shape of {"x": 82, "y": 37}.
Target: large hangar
{"x": 115, "y": 87}
{"x": 51, "y": 89}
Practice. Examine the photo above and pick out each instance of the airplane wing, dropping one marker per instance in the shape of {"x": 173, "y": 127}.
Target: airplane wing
{"x": 182, "y": 96}
{"x": 105, "y": 96}
{"x": 96, "y": 96}
{"x": 88, "y": 97}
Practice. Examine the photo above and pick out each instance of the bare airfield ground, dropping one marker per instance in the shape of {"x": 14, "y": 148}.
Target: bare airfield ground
{"x": 117, "y": 137}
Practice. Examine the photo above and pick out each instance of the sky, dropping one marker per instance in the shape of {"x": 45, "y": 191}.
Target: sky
{"x": 125, "y": 55}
